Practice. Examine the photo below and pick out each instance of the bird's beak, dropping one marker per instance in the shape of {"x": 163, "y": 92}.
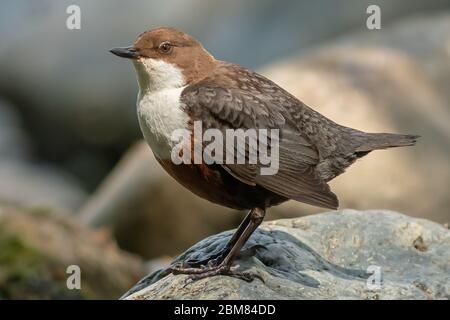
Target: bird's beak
{"x": 126, "y": 52}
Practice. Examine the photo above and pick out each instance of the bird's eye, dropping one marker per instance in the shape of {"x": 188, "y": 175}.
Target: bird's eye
{"x": 165, "y": 47}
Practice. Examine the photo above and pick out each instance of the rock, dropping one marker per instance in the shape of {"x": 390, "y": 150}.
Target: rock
{"x": 13, "y": 140}
{"x": 39, "y": 185}
{"x": 37, "y": 247}
{"x": 426, "y": 38}
{"x": 23, "y": 180}
{"x": 333, "y": 255}
{"x": 388, "y": 85}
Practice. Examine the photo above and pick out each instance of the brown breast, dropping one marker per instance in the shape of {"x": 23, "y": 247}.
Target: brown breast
{"x": 213, "y": 183}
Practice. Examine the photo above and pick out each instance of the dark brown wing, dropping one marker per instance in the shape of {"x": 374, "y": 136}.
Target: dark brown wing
{"x": 254, "y": 102}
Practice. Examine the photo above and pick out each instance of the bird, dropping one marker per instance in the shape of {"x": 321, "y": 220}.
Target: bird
{"x": 181, "y": 83}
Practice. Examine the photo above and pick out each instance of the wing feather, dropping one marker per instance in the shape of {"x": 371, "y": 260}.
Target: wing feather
{"x": 222, "y": 103}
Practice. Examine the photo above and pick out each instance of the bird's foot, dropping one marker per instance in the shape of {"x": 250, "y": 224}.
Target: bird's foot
{"x": 211, "y": 261}
{"x": 221, "y": 269}
{"x": 216, "y": 259}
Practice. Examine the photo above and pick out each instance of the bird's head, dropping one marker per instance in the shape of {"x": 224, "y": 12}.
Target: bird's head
{"x": 167, "y": 58}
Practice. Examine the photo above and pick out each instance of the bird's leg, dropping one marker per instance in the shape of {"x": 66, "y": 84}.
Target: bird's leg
{"x": 256, "y": 216}
{"x": 216, "y": 259}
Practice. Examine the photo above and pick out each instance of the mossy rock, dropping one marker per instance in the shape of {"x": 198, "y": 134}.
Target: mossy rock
{"x": 37, "y": 248}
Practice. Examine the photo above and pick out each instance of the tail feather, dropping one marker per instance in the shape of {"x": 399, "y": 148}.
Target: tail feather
{"x": 375, "y": 141}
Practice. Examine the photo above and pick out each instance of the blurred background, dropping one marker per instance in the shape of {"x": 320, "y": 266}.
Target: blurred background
{"x": 77, "y": 185}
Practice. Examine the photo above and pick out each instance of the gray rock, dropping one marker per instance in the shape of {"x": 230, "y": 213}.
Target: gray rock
{"x": 426, "y": 38}
{"x": 39, "y": 185}
{"x": 326, "y": 256}
{"x": 13, "y": 141}
{"x": 24, "y": 181}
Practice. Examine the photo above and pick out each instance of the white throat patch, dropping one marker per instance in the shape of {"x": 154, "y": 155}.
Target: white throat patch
{"x": 158, "y": 106}
{"x": 156, "y": 75}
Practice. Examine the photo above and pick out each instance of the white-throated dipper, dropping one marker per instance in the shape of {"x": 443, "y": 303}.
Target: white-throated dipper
{"x": 180, "y": 83}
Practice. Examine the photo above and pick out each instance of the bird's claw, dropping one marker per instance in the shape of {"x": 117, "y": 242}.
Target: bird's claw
{"x": 221, "y": 269}
{"x": 209, "y": 262}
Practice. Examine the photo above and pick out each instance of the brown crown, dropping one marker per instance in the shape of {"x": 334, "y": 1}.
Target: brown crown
{"x": 178, "y": 48}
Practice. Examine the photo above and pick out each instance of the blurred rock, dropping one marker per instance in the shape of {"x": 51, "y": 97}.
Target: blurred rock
{"x": 36, "y": 247}
{"x": 78, "y": 100}
{"x": 39, "y": 185}
{"x": 426, "y": 38}
{"x": 157, "y": 264}
{"x": 25, "y": 182}
{"x": 150, "y": 213}
{"x": 381, "y": 88}
{"x": 325, "y": 256}
{"x": 13, "y": 141}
